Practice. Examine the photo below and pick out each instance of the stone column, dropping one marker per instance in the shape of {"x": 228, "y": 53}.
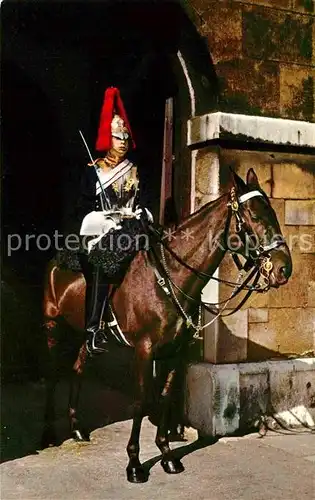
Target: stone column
{"x": 280, "y": 323}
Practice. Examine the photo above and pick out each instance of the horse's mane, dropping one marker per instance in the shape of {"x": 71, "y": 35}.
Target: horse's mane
{"x": 174, "y": 226}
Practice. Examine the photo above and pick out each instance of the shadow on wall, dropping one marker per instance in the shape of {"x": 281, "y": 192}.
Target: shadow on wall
{"x": 229, "y": 347}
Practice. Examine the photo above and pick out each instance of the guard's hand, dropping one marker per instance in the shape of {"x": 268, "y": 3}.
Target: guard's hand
{"x": 138, "y": 213}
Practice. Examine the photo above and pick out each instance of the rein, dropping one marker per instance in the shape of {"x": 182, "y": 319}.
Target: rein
{"x": 260, "y": 261}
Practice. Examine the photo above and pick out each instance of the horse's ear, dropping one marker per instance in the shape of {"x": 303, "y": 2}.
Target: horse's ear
{"x": 238, "y": 183}
{"x": 251, "y": 178}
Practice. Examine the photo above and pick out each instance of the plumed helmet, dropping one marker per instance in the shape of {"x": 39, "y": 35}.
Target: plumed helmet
{"x": 113, "y": 121}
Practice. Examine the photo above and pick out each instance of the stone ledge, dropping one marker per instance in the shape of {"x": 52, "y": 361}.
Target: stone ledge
{"x": 213, "y": 126}
{"x": 223, "y": 399}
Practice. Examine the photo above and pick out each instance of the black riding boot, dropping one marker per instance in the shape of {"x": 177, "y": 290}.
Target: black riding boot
{"x": 96, "y": 303}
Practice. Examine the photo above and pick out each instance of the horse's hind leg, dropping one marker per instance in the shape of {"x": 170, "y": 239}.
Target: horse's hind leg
{"x": 135, "y": 471}
{"x": 170, "y": 464}
{"x": 78, "y": 433}
{"x": 49, "y": 434}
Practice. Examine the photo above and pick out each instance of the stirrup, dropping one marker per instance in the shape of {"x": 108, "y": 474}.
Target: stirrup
{"x": 90, "y": 343}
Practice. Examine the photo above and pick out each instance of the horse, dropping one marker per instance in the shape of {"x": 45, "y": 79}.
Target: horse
{"x": 158, "y": 301}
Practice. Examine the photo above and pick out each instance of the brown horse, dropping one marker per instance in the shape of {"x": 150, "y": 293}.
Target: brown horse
{"x": 152, "y": 316}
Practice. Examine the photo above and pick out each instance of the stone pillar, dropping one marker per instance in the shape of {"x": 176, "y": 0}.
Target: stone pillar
{"x": 280, "y": 323}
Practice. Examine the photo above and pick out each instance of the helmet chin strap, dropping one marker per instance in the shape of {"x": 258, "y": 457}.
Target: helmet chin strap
{"x": 113, "y": 157}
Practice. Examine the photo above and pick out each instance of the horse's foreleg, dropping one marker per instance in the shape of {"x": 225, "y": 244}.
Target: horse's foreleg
{"x": 135, "y": 471}
{"x": 170, "y": 464}
{"x": 77, "y": 432}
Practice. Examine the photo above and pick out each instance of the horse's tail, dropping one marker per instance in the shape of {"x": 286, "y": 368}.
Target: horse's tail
{"x": 50, "y": 301}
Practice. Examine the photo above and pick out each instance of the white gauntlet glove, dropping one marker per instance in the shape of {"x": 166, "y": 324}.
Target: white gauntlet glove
{"x": 149, "y": 215}
{"x": 138, "y": 213}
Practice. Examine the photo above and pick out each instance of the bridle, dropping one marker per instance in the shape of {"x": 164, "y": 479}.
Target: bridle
{"x": 260, "y": 257}
{"x": 258, "y": 263}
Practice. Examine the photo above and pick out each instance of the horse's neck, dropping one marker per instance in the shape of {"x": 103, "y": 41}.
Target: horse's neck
{"x": 200, "y": 242}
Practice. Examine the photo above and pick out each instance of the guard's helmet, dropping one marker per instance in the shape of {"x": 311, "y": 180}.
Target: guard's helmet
{"x": 113, "y": 121}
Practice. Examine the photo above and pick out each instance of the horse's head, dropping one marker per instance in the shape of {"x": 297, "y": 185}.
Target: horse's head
{"x": 256, "y": 230}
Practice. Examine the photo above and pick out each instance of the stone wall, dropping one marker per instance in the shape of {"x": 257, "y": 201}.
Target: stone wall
{"x": 264, "y": 54}
{"x": 280, "y": 323}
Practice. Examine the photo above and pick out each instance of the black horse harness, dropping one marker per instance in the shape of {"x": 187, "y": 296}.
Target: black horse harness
{"x": 258, "y": 263}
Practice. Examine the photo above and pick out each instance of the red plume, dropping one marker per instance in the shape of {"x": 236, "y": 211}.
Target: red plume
{"x": 112, "y": 104}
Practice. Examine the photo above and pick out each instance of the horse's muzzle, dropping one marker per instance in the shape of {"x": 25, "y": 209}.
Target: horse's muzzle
{"x": 282, "y": 268}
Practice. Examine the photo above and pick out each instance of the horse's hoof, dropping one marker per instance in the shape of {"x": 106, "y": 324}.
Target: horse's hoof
{"x": 49, "y": 438}
{"x": 137, "y": 474}
{"x": 178, "y": 437}
{"x": 80, "y": 435}
{"x": 173, "y": 466}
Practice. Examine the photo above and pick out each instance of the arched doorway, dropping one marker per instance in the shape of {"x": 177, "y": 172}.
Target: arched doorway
{"x": 54, "y": 72}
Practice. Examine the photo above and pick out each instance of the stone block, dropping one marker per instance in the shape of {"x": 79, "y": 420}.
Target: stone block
{"x": 276, "y": 35}
{"x": 279, "y": 4}
{"x": 311, "y": 295}
{"x": 293, "y": 181}
{"x": 262, "y": 342}
{"x": 207, "y": 168}
{"x": 200, "y": 6}
{"x": 296, "y": 92}
{"x": 257, "y": 94}
{"x": 258, "y": 301}
{"x": 237, "y": 323}
{"x": 212, "y": 398}
{"x": 258, "y": 315}
{"x": 292, "y": 237}
{"x": 289, "y": 332}
{"x": 242, "y": 161}
{"x": 226, "y": 340}
{"x": 224, "y": 44}
{"x": 278, "y": 206}
{"x": 199, "y": 398}
{"x": 294, "y": 293}
{"x": 289, "y": 388}
{"x": 306, "y": 239}
{"x": 254, "y": 395}
{"x": 306, "y": 6}
{"x": 300, "y": 212}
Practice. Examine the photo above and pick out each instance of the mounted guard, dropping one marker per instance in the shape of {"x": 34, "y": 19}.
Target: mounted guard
{"x": 112, "y": 223}
{"x": 158, "y": 306}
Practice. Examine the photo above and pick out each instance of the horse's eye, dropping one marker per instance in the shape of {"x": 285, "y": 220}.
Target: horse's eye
{"x": 254, "y": 217}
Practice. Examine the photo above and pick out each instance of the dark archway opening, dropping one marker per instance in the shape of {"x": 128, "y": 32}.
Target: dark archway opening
{"x": 55, "y": 70}
{"x": 57, "y": 59}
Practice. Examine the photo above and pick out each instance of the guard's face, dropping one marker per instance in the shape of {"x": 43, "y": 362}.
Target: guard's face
{"x": 120, "y": 143}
